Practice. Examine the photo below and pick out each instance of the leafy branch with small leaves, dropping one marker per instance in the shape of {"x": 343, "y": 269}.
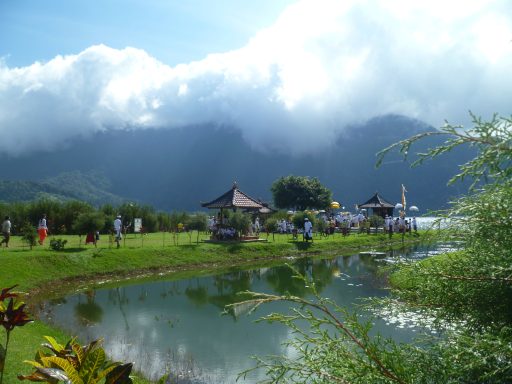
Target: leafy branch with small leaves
{"x": 335, "y": 348}
{"x": 492, "y": 140}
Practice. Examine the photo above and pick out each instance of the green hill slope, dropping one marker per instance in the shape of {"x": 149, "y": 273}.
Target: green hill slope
{"x": 91, "y": 187}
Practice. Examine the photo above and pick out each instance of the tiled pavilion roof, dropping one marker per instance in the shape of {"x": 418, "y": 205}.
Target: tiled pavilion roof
{"x": 234, "y": 198}
{"x": 376, "y": 201}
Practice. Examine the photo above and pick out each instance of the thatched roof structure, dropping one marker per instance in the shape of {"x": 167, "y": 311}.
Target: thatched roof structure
{"x": 234, "y": 198}
{"x": 378, "y": 205}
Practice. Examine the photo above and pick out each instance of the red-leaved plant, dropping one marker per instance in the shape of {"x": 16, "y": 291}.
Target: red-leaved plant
{"x": 12, "y": 315}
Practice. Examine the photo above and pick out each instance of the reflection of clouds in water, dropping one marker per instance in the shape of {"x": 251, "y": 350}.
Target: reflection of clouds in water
{"x": 154, "y": 362}
{"x": 173, "y": 331}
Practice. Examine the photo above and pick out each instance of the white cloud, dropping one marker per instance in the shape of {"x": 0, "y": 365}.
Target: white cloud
{"x": 323, "y": 65}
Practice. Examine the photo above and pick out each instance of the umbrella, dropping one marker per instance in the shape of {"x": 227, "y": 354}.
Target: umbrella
{"x": 398, "y": 206}
{"x": 414, "y": 208}
{"x": 335, "y": 205}
{"x": 290, "y": 212}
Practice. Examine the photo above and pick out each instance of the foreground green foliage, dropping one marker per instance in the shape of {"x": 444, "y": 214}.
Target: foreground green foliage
{"x": 76, "y": 364}
{"x": 12, "y": 315}
{"x": 337, "y": 347}
{"x": 467, "y": 293}
{"x": 473, "y": 288}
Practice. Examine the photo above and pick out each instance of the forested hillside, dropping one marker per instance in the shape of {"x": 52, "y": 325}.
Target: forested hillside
{"x": 90, "y": 187}
{"x": 177, "y": 169}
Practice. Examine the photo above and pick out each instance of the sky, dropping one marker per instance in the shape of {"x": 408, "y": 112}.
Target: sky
{"x": 290, "y": 75}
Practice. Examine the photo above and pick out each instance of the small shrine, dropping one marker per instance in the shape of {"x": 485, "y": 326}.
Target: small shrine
{"x": 378, "y": 205}
{"x": 235, "y": 199}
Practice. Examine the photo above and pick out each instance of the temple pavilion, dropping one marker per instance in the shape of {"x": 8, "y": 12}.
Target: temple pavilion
{"x": 378, "y": 205}
{"x": 234, "y": 199}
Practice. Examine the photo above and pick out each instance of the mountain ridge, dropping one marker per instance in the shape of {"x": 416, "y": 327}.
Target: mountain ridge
{"x": 177, "y": 169}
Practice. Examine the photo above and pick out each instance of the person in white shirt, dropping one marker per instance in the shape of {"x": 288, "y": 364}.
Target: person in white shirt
{"x": 282, "y": 226}
{"x": 117, "y": 229}
{"x": 6, "y": 231}
{"x": 401, "y": 224}
{"x": 257, "y": 226}
{"x": 308, "y": 230}
{"x": 42, "y": 229}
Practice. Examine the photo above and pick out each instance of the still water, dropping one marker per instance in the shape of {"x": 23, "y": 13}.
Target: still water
{"x": 177, "y": 324}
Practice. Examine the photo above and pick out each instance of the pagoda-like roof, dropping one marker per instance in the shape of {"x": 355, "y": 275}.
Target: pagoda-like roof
{"x": 377, "y": 201}
{"x": 234, "y": 198}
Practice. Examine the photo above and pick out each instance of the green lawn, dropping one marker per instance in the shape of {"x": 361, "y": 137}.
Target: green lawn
{"x": 42, "y": 267}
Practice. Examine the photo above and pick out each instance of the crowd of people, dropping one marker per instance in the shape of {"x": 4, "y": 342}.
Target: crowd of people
{"x": 400, "y": 225}
{"x": 220, "y": 229}
{"x": 345, "y": 222}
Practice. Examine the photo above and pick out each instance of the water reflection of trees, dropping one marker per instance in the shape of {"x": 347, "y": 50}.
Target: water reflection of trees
{"x": 118, "y": 298}
{"x": 197, "y": 295}
{"x": 221, "y": 289}
{"x": 89, "y": 312}
{"x": 229, "y": 285}
{"x": 226, "y": 287}
{"x": 283, "y": 281}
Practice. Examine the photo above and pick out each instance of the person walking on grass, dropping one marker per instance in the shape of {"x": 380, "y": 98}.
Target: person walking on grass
{"x": 6, "y": 231}
{"x": 42, "y": 229}
{"x": 308, "y": 230}
{"x": 117, "y": 229}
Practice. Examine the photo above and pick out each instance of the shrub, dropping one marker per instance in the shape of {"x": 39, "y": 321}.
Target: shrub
{"x": 298, "y": 220}
{"x": 241, "y": 222}
{"x": 29, "y": 235}
{"x": 57, "y": 244}
{"x": 376, "y": 221}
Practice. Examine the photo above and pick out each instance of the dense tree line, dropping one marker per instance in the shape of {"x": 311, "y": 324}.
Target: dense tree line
{"x": 77, "y": 217}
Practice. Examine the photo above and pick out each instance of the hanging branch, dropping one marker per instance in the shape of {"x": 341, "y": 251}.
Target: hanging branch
{"x": 492, "y": 139}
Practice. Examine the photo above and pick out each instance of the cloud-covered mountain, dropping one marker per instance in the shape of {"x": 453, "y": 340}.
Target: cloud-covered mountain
{"x": 176, "y": 169}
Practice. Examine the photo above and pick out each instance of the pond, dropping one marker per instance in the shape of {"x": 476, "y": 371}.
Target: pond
{"x": 177, "y": 324}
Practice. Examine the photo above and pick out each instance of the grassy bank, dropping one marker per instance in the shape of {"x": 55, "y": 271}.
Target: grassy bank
{"x": 32, "y": 269}
{"x": 42, "y": 270}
